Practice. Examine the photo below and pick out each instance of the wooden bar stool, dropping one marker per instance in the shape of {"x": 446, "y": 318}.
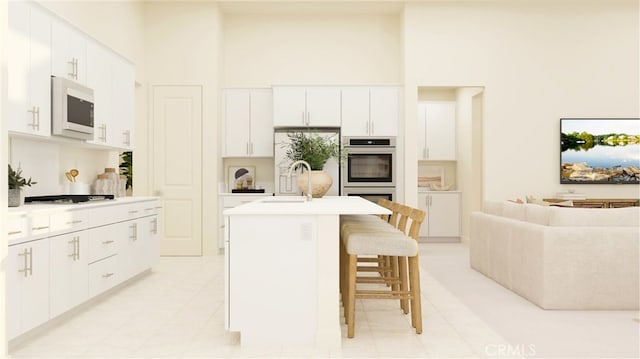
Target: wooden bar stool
{"x": 388, "y": 243}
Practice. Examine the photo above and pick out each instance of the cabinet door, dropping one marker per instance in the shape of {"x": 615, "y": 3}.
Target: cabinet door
{"x": 289, "y": 107}
{"x": 237, "y": 118}
{"x": 355, "y": 111}
{"x": 124, "y": 103}
{"x": 422, "y": 132}
{"x": 323, "y": 107}
{"x": 28, "y": 276}
{"x": 444, "y": 214}
{"x": 29, "y": 61}
{"x": 99, "y": 78}
{"x": 423, "y": 204}
{"x": 384, "y": 111}
{"x": 440, "y": 122}
{"x": 261, "y": 141}
{"x": 69, "y": 273}
{"x": 68, "y": 52}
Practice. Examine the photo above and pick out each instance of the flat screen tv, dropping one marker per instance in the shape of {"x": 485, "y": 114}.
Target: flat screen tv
{"x": 600, "y": 150}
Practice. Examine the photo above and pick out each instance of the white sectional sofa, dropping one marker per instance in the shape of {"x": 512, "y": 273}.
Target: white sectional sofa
{"x": 560, "y": 257}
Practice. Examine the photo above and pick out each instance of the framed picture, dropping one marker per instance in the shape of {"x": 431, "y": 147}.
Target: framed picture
{"x": 241, "y": 177}
{"x": 428, "y": 175}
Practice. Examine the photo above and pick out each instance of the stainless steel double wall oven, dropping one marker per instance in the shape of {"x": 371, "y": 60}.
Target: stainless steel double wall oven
{"x": 369, "y": 169}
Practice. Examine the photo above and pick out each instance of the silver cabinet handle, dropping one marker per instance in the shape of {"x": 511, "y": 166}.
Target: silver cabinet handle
{"x": 72, "y": 74}
{"x": 308, "y": 118}
{"x": 73, "y": 255}
{"x": 39, "y": 228}
{"x": 34, "y": 115}
{"x": 126, "y": 134}
{"x": 304, "y": 120}
{"x": 14, "y": 232}
{"x": 134, "y": 232}
{"x": 107, "y": 275}
{"x": 38, "y": 118}
{"x": 75, "y": 222}
{"x": 107, "y": 242}
{"x": 150, "y": 209}
{"x": 250, "y": 148}
{"x": 154, "y": 229}
{"x": 77, "y": 249}
{"x": 133, "y": 212}
{"x": 25, "y": 254}
{"x": 75, "y": 68}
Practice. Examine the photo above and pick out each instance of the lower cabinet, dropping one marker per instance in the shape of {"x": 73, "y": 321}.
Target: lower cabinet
{"x": 69, "y": 282}
{"x": 27, "y": 286}
{"x": 443, "y": 215}
{"x": 49, "y": 275}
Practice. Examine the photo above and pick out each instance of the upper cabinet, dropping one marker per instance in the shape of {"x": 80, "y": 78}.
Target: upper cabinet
{"x": 68, "y": 52}
{"x": 306, "y": 106}
{"x": 437, "y": 131}
{"x": 113, "y": 82}
{"x": 370, "y": 111}
{"x": 29, "y": 70}
{"x": 248, "y": 123}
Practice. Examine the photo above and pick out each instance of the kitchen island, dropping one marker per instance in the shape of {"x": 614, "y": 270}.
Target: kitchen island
{"x": 282, "y": 270}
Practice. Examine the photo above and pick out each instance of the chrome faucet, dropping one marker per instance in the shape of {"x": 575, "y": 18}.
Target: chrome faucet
{"x": 304, "y": 163}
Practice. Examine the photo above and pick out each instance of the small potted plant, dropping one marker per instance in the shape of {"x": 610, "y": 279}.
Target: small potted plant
{"x": 315, "y": 150}
{"x": 16, "y": 182}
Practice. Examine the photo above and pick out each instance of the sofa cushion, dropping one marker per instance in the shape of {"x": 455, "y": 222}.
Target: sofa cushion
{"x": 513, "y": 210}
{"x": 492, "y": 207}
{"x": 629, "y": 216}
{"x": 537, "y": 214}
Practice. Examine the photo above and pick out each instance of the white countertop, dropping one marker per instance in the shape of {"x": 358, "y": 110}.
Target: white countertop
{"x": 45, "y": 207}
{"x": 326, "y": 205}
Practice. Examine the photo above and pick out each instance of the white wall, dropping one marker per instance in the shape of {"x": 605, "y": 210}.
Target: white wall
{"x": 261, "y": 50}
{"x": 538, "y": 62}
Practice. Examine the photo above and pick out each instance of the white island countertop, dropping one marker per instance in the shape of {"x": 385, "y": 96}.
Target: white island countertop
{"x": 297, "y": 205}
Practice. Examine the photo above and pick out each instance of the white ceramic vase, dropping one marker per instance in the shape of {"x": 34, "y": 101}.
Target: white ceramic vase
{"x": 15, "y": 198}
{"x": 320, "y": 183}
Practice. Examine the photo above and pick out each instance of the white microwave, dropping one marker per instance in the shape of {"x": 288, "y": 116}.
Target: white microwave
{"x": 71, "y": 109}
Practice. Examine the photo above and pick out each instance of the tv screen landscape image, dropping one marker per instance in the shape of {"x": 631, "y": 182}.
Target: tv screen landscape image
{"x": 600, "y": 150}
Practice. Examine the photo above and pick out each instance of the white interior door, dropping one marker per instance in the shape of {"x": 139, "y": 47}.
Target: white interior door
{"x": 176, "y": 121}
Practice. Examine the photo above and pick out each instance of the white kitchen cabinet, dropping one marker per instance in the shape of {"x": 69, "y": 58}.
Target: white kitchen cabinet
{"x": 437, "y": 131}
{"x": 59, "y": 257}
{"x": 112, "y": 80}
{"x": 248, "y": 123}
{"x": 123, "y": 94}
{"x": 443, "y": 214}
{"x": 370, "y": 111}
{"x": 27, "y": 286}
{"x": 29, "y": 75}
{"x": 229, "y": 200}
{"x": 68, "y": 52}
{"x": 306, "y": 106}
{"x": 68, "y": 273}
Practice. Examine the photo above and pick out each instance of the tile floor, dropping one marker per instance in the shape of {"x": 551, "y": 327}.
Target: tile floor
{"x": 177, "y": 312}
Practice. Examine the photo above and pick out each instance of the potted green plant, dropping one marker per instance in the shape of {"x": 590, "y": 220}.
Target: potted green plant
{"x": 316, "y": 150}
{"x": 16, "y": 182}
{"x": 126, "y": 169}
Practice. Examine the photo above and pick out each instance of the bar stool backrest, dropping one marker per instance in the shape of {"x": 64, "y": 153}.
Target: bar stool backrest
{"x": 417, "y": 217}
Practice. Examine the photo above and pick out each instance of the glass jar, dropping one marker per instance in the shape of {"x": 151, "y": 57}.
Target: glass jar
{"x": 101, "y": 184}
{"x": 114, "y": 179}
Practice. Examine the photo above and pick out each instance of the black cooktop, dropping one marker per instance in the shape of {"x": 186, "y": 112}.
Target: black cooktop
{"x": 68, "y": 198}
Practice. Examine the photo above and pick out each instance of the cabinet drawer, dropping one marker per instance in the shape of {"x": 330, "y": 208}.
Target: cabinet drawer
{"x": 104, "y": 241}
{"x": 39, "y": 225}
{"x": 106, "y": 215}
{"x": 70, "y": 221}
{"x": 17, "y": 227}
{"x": 103, "y": 275}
